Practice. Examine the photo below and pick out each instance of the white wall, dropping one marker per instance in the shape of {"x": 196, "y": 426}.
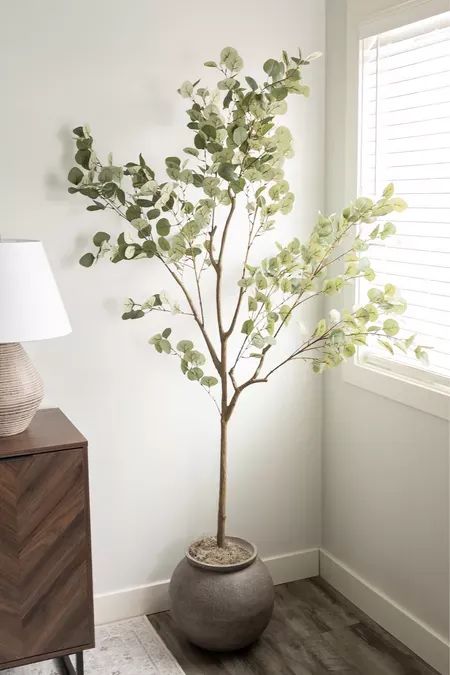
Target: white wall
{"x": 152, "y": 434}
{"x": 385, "y": 465}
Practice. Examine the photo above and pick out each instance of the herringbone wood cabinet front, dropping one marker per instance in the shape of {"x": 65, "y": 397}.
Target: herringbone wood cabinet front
{"x": 45, "y": 560}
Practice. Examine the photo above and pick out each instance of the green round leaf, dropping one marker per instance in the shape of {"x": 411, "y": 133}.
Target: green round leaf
{"x": 165, "y": 346}
{"x": 133, "y": 212}
{"x": 97, "y": 206}
{"x": 240, "y": 135}
{"x": 195, "y": 357}
{"x": 75, "y": 175}
{"x": 195, "y": 373}
{"x": 390, "y": 290}
{"x": 388, "y": 230}
{"x": 186, "y": 89}
{"x": 87, "y": 260}
{"x": 209, "y": 130}
{"x": 191, "y": 151}
{"x": 231, "y": 59}
{"x": 273, "y": 68}
{"x": 258, "y": 341}
{"x": 279, "y": 93}
{"x": 109, "y": 190}
{"x": 173, "y": 162}
{"x": 163, "y": 227}
{"x": 247, "y": 327}
{"x": 145, "y": 231}
{"x": 388, "y": 190}
{"x": 185, "y": 345}
{"x": 83, "y": 157}
{"x": 150, "y": 248}
{"x": 349, "y": 350}
{"x": 199, "y": 142}
{"x": 100, "y": 237}
{"x": 209, "y": 381}
{"x": 163, "y": 244}
{"x": 89, "y": 192}
{"x": 227, "y": 172}
{"x": 391, "y": 327}
{"x": 83, "y": 143}
{"x": 398, "y": 204}
{"x": 251, "y": 83}
{"x": 375, "y": 295}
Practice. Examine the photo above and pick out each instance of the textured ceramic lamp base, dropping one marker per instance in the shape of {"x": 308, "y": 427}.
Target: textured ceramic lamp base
{"x": 21, "y": 389}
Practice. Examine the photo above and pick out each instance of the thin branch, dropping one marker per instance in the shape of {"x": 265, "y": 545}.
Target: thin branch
{"x": 209, "y": 344}
{"x": 199, "y": 293}
{"x": 246, "y": 338}
{"x": 242, "y": 289}
{"x": 211, "y": 238}
{"x": 219, "y": 267}
{"x": 234, "y": 399}
{"x": 197, "y": 278}
{"x": 160, "y": 309}
{"x": 207, "y": 389}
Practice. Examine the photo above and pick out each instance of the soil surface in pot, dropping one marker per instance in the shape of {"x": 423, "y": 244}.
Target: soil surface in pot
{"x": 206, "y": 550}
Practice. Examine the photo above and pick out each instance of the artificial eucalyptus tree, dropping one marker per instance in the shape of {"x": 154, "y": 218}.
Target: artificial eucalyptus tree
{"x": 182, "y": 222}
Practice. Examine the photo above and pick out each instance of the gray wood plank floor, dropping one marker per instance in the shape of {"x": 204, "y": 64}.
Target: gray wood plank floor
{"x": 314, "y": 630}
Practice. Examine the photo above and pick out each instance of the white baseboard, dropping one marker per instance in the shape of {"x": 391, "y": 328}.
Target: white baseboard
{"x": 420, "y": 638}
{"x": 154, "y": 597}
{"x": 293, "y": 566}
{"x": 130, "y": 602}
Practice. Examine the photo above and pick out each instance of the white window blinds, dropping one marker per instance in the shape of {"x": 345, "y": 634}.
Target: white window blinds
{"x": 405, "y": 139}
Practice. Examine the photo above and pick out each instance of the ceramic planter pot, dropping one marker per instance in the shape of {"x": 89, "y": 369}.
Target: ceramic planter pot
{"x": 222, "y": 607}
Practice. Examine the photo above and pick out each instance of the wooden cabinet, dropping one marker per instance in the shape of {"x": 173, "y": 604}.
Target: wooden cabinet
{"x": 46, "y": 607}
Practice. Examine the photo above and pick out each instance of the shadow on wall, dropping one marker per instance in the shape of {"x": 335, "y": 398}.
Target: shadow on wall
{"x": 55, "y": 181}
{"x": 173, "y": 552}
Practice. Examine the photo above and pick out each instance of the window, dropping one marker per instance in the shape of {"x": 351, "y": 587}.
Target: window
{"x": 404, "y": 138}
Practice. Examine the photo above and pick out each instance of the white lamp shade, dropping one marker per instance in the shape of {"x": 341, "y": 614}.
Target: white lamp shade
{"x": 30, "y": 304}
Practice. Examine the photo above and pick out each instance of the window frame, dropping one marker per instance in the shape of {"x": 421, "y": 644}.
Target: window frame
{"x": 418, "y": 388}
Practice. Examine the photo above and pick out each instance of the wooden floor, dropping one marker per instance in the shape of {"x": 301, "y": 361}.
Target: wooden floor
{"x": 314, "y": 630}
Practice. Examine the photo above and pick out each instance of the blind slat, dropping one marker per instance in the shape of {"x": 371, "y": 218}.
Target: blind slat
{"x": 415, "y": 245}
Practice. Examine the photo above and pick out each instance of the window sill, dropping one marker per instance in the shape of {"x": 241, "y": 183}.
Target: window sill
{"x": 428, "y": 398}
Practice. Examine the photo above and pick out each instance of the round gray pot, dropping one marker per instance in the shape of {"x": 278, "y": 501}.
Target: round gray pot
{"x": 222, "y": 607}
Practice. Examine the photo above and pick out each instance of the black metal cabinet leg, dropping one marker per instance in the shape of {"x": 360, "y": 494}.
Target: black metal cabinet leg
{"x": 80, "y": 663}
{"x": 68, "y": 668}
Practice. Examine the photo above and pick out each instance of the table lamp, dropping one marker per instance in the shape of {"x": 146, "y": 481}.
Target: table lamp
{"x": 30, "y": 309}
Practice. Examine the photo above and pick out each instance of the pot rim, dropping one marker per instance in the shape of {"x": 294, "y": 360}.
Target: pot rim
{"x": 233, "y": 567}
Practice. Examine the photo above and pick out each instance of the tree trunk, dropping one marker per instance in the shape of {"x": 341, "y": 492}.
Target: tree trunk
{"x": 224, "y": 417}
{"x": 222, "y": 515}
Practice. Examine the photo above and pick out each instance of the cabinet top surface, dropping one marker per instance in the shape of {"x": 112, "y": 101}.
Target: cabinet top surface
{"x": 50, "y": 430}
